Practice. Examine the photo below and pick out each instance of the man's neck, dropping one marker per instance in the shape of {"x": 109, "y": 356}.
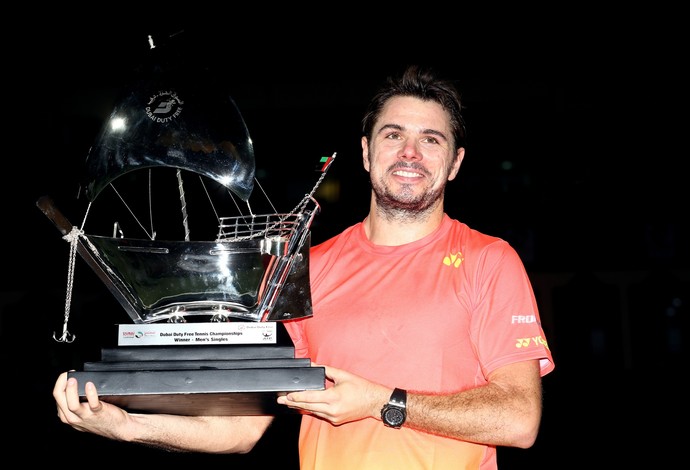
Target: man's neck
{"x": 395, "y": 231}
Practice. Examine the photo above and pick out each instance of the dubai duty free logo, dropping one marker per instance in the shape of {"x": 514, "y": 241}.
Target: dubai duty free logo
{"x": 164, "y": 106}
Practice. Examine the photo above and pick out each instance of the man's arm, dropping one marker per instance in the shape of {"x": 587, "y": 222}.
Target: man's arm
{"x": 210, "y": 434}
{"x": 504, "y": 412}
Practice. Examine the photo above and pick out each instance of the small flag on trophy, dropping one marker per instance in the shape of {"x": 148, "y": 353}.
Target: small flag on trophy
{"x": 324, "y": 163}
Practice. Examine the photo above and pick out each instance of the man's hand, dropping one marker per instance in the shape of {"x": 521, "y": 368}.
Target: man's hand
{"x": 92, "y": 415}
{"x": 350, "y": 398}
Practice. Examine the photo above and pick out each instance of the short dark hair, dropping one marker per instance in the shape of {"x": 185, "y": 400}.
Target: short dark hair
{"x": 424, "y": 84}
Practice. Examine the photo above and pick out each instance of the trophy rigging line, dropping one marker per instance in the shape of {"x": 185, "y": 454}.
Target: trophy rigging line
{"x": 183, "y": 206}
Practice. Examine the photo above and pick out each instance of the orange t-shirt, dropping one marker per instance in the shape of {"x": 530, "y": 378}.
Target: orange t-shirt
{"x": 436, "y": 315}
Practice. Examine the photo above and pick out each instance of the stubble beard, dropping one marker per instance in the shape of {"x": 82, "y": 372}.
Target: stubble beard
{"x": 405, "y": 206}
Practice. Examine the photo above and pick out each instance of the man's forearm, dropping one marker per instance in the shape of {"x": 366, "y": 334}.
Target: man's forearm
{"x": 208, "y": 434}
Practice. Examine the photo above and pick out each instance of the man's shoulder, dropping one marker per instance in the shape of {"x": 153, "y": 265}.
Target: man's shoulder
{"x": 461, "y": 229}
{"x": 335, "y": 239}
{"x": 475, "y": 242}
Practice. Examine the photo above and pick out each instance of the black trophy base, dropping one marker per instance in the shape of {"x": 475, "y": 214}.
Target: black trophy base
{"x": 197, "y": 392}
{"x": 223, "y": 380}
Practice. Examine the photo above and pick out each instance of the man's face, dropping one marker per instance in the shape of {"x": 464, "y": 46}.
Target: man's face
{"x": 411, "y": 156}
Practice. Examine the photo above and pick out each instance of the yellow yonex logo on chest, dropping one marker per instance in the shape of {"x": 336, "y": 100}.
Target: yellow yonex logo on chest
{"x": 454, "y": 259}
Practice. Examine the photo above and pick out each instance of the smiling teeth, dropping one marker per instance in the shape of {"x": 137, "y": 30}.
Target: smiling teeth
{"x": 407, "y": 174}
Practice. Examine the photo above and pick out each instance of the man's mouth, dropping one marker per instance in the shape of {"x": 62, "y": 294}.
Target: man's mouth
{"x": 407, "y": 174}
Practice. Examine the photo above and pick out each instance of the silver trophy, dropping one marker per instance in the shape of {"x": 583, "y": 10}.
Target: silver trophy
{"x": 174, "y": 146}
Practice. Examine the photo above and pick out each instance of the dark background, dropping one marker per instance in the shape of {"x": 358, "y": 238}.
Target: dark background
{"x": 574, "y": 156}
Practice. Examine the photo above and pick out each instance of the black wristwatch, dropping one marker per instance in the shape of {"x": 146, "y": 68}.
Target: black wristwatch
{"x": 393, "y": 413}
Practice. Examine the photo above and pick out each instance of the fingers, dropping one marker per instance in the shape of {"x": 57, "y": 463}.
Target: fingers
{"x": 60, "y": 383}
{"x": 60, "y": 396}
{"x": 308, "y": 400}
{"x": 92, "y": 397}
{"x": 71, "y": 395}
{"x": 70, "y": 404}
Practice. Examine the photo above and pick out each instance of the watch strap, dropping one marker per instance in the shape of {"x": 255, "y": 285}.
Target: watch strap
{"x": 398, "y": 398}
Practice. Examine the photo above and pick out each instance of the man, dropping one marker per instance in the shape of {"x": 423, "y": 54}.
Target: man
{"x": 428, "y": 330}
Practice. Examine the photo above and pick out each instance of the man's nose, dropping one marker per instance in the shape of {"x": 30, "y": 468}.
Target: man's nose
{"x": 410, "y": 151}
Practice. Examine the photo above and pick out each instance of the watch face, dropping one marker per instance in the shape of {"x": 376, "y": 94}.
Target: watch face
{"x": 394, "y": 416}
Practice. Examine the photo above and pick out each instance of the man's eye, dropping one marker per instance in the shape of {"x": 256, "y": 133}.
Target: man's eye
{"x": 430, "y": 140}
{"x": 393, "y": 136}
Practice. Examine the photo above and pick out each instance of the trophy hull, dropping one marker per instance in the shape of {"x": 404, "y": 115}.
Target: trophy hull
{"x": 167, "y": 280}
{"x": 249, "y": 278}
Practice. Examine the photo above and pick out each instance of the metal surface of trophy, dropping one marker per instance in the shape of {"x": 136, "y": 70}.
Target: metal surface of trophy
{"x": 165, "y": 231}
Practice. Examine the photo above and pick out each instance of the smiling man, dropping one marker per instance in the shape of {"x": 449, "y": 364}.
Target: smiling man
{"x": 414, "y": 321}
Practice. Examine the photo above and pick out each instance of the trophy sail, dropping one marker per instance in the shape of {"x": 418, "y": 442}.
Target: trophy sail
{"x": 175, "y": 117}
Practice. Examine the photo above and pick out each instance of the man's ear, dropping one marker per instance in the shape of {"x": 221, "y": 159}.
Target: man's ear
{"x": 365, "y": 153}
{"x": 456, "y": 164}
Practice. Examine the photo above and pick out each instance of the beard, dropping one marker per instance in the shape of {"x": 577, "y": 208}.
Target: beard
{"x": 405, "y": 204}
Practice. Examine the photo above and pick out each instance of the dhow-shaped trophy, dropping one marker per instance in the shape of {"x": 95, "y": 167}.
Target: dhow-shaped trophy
{"x": 205, "y": 300}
